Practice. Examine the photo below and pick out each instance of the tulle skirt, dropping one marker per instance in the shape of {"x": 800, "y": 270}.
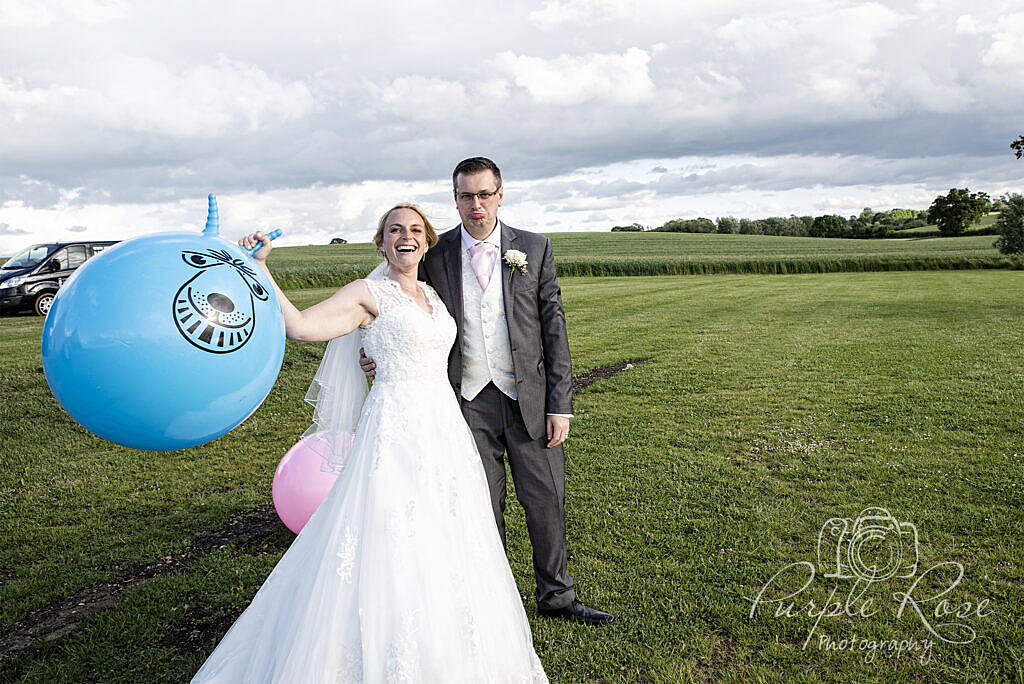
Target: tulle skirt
{"x": 400, "y": 575}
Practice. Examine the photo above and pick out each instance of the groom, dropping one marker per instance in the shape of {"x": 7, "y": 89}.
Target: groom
{"x": 510, "y": 367}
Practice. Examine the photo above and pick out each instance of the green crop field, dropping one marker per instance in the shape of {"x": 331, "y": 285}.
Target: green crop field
{"x": 766, "y": 407}
{"x": 618, "y": 254}
{"x": 712, "y": 246}
{"x": 694, "y": 246}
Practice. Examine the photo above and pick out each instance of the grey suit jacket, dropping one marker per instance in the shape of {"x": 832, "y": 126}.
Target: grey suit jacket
{"x": 533, "y": 311}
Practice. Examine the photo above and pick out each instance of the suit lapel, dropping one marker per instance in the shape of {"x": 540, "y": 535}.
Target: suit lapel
{"x": 453, "y": 268}
{"x": 508, "y": 239}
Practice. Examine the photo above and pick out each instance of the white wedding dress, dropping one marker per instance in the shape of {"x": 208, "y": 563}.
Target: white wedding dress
{"x": 400, "y": 575}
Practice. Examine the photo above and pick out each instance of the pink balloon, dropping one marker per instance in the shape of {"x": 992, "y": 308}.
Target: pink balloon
{"x": 300, "y": 485}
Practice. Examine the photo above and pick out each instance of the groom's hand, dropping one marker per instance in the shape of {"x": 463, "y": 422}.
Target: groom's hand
{"x": 367, "y": 364}
{"x": 558, "y": 430}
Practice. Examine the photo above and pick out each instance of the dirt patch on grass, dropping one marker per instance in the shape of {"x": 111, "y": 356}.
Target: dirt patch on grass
{"x": 199, "y": 631}
{"x": 57, "y": 620}
{"x": 588, "y": 378}
{"x": 709, "y": 670}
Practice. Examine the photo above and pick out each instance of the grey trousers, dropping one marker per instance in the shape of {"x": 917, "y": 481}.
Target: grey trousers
{"x": 539, "y": 476}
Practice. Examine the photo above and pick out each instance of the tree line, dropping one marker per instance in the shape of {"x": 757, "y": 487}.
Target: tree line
{"x": 953, "y": 213}
{"x": 867, "y": 224}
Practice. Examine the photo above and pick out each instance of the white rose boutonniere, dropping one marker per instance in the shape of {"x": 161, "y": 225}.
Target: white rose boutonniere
{"x": 516, "y": 260}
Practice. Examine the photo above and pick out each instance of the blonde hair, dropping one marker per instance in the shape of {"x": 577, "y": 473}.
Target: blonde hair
{"x": 378, "y": 239}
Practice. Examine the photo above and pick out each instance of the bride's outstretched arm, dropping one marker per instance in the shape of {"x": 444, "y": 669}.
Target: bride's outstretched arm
{"x": 339, "y": 314}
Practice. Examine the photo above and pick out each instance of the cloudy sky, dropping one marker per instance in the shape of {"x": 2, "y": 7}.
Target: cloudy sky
{"x": 117, "y": 118}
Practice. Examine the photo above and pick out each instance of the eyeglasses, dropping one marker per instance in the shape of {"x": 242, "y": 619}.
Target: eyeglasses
{"x": 484, "y": 195}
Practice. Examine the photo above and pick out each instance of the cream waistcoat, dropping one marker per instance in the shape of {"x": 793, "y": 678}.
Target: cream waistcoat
{"x": 486, "y": 351}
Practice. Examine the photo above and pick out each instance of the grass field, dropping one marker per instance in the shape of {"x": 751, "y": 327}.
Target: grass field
{"x": 619, "y": 254}
{"x": 768, "y": 405}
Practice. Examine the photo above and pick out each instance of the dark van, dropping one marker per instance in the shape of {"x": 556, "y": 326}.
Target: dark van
{"x": 31, "y": 278}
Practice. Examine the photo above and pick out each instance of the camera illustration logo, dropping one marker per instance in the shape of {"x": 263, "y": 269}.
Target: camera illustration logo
{"x": 873, "y": 547}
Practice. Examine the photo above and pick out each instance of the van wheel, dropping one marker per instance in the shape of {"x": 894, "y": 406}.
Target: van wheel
{"x": 43, "y": 303}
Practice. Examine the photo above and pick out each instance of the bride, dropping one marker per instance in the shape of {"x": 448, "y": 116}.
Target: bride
{"x": 400, "y": 575}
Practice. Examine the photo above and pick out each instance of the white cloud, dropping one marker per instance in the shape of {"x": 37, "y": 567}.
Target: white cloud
{"x": 140, "y": 95}
{"x": 24, "y": 14}
{"x": 36, "y": 14}
{"x": 567, "y": 81}
{"x": 421, "y": 97}
{"x": 556, "y": 13}
{"x": 6, "y": 229}
{"x": 1007, "y": 41}
{"x": 966, "y": 24}
{"x": 845, "y": 34}
{"x": 96, "y": 11}
{"x": 825, "y": 58}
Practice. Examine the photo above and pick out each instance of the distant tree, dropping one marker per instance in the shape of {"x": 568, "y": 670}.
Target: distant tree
{"x": 957, "y": 210}
{"x": 699, "y": 225}
{"x": 727, "y": 224}
{"x": 631, "y": 228}
{"x": 749, "y": 227}
{"x": 899, "y": 219}
{"x": 673, "y": 226}
{"x": 864, "y": 231}
{"x": 1011, "y": 225}
{"x": 1018, "y": 147}
{"x": 794, "y": 225}
{"x": 828, "y": 226}
{"x": 339, "y": 241}
{"x": 895, "y": 219}
{"x": 773, "y": 225}
{"x": 703, "y": 225}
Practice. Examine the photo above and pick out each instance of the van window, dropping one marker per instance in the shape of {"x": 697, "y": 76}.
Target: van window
{"x": 71, "y": 257}
{"x": 28, "y": 258}
{"x": 77, "y": 254}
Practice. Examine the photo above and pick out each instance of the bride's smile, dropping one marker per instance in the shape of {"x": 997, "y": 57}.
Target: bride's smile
{"x": 404, "y": 240}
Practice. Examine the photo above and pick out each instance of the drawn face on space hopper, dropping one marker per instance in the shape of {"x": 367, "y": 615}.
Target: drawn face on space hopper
{"x": 216, "y": 308}
{"x": 164, "y": 341}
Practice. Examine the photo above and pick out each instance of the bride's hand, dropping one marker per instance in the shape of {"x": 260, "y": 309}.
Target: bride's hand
{"x": 253, "y": 239}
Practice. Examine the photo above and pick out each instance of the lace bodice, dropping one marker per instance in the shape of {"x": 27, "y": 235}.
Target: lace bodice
{"x": 407, "y": 343}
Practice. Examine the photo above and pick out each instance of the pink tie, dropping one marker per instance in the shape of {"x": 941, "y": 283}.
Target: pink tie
{"x": 481, "y": 257}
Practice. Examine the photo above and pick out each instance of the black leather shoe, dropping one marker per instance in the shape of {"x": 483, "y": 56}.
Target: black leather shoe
{"x": 577, "y": 612}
